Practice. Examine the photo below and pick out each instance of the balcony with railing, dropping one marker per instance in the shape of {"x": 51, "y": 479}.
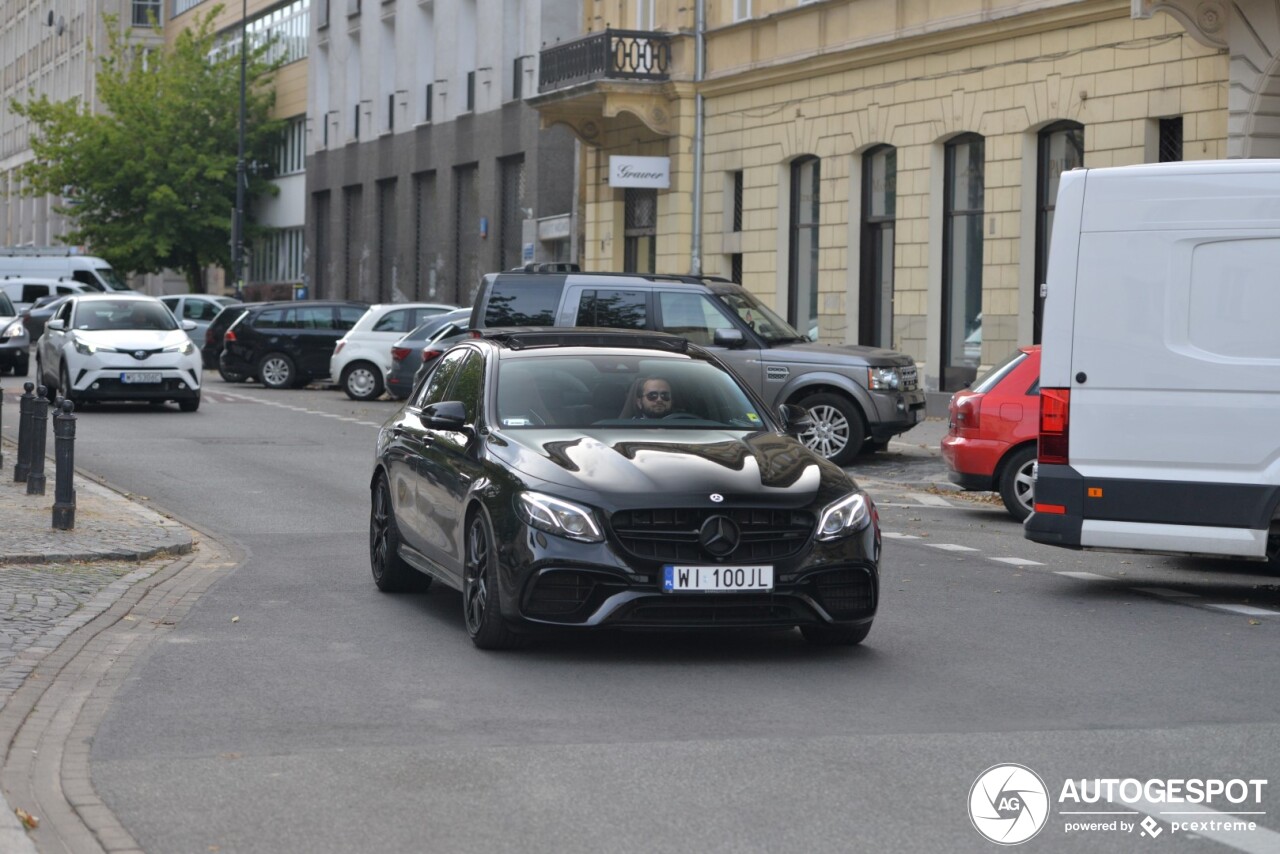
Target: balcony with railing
{"x": 607, "y": 55}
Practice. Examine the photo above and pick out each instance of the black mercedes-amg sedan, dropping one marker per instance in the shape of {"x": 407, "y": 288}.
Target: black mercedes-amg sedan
{"x": 602, "y": 478}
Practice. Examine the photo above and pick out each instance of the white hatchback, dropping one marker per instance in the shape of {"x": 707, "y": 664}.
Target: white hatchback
{"x": 119, "y": 347}
{"x": 362, "y": 357}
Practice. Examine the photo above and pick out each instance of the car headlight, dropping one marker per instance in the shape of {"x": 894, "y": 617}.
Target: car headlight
{"x": 558, "y": 517}
{"x": 884, "y": 378}
{"x": 13, "y": 330}
{"x": 186, "y": 348}
{"x": 844, "y": 517}
{"x": 84, "y": 348}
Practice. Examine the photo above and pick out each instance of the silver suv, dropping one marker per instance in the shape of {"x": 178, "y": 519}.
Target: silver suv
{"x": 858, "y": 397}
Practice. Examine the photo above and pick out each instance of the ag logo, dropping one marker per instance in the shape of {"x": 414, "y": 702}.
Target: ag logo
{"x": 1008, "y": 804}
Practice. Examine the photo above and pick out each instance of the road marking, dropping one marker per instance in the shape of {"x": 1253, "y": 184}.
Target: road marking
{"x": 1018, "y": 561}
{"x": 1257, "y": 841}
{"x": 894, "y": 535}
{"x": 1246, "y": 610}
{"x": 930, "y": 500}
{"x": 950, "y": 547}
{"x": 1083, "y": 576}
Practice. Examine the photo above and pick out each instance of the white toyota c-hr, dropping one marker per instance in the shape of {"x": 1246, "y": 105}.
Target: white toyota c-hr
{"x": 119, "y": 347}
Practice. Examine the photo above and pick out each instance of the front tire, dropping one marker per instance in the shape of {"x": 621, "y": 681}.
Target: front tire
{"x": 481, "y": 605}
{"x": 278, "y": 371}
{"x": 838, "y": 428}
{"x": 23, "y": 367}
{"x": 64, "y": 386}
{"x": 361, "y": 381}
{"x": 190, "y": 404}
{"x": 230, "y": 376}
{"x": 1016, "y": 482}
{"x": 829, "y": 635}
{"x": 390, "y": 571}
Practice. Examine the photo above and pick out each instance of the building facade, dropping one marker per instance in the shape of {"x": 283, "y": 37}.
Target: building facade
{"x": 883, "y": 172}
{"x": 426, "y": 169}
{"x": 50, "y": 49}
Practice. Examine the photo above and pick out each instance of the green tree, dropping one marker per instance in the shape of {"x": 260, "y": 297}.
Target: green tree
{"x": 151, "y": 182}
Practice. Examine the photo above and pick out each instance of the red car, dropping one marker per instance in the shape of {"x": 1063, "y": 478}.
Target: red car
{"x": 992, "y": 429}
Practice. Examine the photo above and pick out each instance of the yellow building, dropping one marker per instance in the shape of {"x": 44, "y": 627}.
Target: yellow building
{"x": 884, "y": 172}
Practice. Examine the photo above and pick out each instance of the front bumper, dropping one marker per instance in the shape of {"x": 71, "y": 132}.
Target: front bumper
{"x": 549, "y": 581}
{"x": 894, "y": 412}
{"x": 101, "y": 377}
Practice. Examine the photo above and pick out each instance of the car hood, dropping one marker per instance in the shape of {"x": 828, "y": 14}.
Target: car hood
{"x": 826, "y": 354}
{"x": 132, "y": 339}
{"x": 630, "y": 467}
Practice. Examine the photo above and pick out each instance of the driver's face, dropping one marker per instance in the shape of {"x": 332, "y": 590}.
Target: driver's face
{"x": 655, "y": 398}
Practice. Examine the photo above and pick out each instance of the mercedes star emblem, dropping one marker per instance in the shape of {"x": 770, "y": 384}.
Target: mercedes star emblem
{"x": 719, "y": 535}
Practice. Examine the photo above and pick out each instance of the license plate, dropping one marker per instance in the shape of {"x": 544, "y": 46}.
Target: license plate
{"x": 132, "y": 377}
{"x": 711, "y": 579}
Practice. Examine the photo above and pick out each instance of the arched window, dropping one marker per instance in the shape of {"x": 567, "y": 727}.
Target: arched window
{"x": 802, "y": 299}
{"x": 962, "y": 261}
{"x": 1061, "y": 147}
{"x": 879, "y": 210}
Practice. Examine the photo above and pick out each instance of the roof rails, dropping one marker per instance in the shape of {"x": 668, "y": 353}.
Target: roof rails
{"x": 524, "y": 339}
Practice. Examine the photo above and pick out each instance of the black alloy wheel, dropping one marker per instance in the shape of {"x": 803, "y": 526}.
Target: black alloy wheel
{"x": 480, "y": 602}
{"x": 390, "y": 572}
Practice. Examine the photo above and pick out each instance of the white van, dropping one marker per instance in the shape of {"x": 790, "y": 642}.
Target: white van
{"x": 58, "y": 263}
{"x": 1160, "y": 372}
{"x": 23, "y": 291}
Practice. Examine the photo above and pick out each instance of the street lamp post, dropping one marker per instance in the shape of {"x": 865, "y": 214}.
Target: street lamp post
{"x": 237, "y": 223}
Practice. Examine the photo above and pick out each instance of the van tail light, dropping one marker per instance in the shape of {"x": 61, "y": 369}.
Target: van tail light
{"x": 1055, "y": 419}
{"x": 228, "y": 337}
{"x": 399, "y": 354}
{"x": 428, "y": 355}
{"x": 967, "y": 415}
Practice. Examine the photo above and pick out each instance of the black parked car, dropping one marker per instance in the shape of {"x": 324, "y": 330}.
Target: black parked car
{"x": 593, "y": 478}
{"x": 406, "y": 354}
{"x": 287, "y": 344}
{"x": 35, "y": 317}
{"x": 218, "y": 327}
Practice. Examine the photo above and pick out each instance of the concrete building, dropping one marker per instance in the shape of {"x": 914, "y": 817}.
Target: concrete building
{"x": 50, "y": 48}
{"x": 884, "y": 172}
{"x": 426, "y": 169}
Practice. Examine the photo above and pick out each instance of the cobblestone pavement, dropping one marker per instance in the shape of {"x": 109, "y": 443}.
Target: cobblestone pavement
{"x": 53, "y": 582}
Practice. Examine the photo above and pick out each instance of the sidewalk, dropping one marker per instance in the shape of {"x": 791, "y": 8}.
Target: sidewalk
{"x": 53, "y": 582}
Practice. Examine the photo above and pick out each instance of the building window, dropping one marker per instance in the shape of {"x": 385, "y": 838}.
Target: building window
{"x": 386, "y": 240}
{"x": 962, "y": 261}
{"x": 741, "y": 10}
{"x": 802, "y": 291}
{"x": 471, "y": 92}
{"x": 286, "y": 27}
{"x": 353, "y": 242}
{"x": 466, "y": 234}
{"x": 145, "y": 12}
{"x": 291, "y": 155}
{"x": 430, "y": 96}
{"x": 180, "y": 6}
{"x": 879, "y": 213}
{"x": 277, "y": 256}
{"x": 424, "y": 255}
{"x": 321, "y": 253}
{"x": 735, "y": 268}
{"x": 1170, "y": 144}
{"x": 512, "y": 212}
{"x": 737, "y": 200}
{"x": 1061, "y": 147}
{"x": 640, "y": 230}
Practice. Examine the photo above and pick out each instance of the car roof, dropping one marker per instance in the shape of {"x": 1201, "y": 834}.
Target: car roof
{"x": 285, "y": 303}
{"x": 98, "y": 296}
{"x": 511, "y": 340}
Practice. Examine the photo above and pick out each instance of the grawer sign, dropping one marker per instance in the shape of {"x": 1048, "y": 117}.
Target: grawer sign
{"x": 627, "y": 171}
{"x": 1010, "y": 804}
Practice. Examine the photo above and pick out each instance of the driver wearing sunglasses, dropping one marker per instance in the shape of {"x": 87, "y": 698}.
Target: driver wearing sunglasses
{"x": 653, "y": 398}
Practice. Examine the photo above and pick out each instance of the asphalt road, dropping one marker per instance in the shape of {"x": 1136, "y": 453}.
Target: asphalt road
{"x": 332, "y": 718}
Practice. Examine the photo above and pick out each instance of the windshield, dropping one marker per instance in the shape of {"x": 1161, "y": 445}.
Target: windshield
{"x": 92, "y": 315}
{"x": 761, "y": 318}
{"x": 610, "y": 389}
{"x": 112, "y": 278}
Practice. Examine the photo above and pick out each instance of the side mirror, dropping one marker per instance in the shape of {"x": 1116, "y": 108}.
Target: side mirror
{"x": 732, "y": 339}
{"x": 56, "y": 325}
{"x": 795, "y": 419}
{"x": 189, "y": 325}
{"x": 445, "y": 415}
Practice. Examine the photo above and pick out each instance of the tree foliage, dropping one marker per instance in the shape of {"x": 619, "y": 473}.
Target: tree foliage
{"x": 150, "y": 183}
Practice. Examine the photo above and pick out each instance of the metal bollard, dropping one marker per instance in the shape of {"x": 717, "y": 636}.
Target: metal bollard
{"x": 24, "y": 434}
{"x": 39, "y": 428}
{"x": 64, "y": 455}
